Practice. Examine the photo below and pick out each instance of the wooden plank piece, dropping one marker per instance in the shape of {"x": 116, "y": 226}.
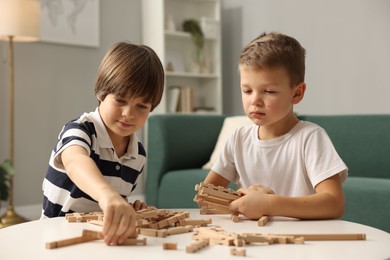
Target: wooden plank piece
{"x": 69, "y": 241}
{"x": 346, "y": 236}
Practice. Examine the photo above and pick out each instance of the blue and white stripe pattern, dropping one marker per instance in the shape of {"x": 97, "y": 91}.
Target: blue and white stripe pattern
{"x": 61, "y": 195}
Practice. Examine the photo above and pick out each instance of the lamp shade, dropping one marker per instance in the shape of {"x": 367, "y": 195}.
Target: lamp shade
{"x": 20, "y": 19}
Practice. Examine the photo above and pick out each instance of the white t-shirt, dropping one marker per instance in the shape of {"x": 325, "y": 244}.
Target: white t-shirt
{"x": 291, "y": 165}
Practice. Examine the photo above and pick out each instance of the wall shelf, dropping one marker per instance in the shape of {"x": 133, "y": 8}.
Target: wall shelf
{"x": 201, "y": 84}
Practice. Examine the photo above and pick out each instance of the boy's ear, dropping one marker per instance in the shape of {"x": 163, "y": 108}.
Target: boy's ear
{"x": 299, "y": 93}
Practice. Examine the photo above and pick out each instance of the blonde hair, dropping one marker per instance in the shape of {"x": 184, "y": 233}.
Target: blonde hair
{"x": 273, "y": 50}
{"x": 130, "y": 70}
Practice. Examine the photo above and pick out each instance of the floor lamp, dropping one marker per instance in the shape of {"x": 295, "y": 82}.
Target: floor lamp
{"x": 19, "y": 21}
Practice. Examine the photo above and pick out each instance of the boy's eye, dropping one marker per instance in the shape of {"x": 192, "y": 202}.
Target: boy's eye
{"x": 246, "y": 91}
{"x": 143, "y": 106}
{"x": 269, "y": 91}
{"x": 120, "y": 100}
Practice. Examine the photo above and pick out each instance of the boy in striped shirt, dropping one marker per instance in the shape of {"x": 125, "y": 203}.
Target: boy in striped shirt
{"x": 98, "y": 158}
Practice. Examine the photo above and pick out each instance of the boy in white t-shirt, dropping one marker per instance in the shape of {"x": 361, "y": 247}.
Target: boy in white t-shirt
{"x": 284, "y": 166}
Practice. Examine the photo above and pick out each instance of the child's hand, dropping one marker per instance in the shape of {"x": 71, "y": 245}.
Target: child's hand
{"x": 254, "y": 203}
{"x": 119, "y": 218}
{"x": 138, "y": 205}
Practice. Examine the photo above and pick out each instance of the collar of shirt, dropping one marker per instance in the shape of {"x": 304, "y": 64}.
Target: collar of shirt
{"x": 105, "y": 140}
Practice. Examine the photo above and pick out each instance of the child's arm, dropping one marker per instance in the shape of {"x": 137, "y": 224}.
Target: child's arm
{"x": 216, "y": 179}
{"x": 326, "y": 203}
{"x": 119, "y": 215}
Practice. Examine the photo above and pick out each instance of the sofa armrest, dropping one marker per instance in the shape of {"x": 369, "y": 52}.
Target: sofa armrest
{"x": 177, "y": 142}
{"x": 367, "y": 201}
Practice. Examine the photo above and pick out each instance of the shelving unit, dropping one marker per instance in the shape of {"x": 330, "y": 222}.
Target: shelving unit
{"x": 176, "y": 51}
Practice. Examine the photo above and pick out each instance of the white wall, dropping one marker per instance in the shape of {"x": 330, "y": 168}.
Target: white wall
{"x": 348, "y": 62}
{"x": 347, "y": 44}
{"x": 54, "y": 84}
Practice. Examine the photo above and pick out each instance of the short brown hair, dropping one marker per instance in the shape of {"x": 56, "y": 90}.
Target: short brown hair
{"x": 131, "y": 70}
{"x": 276, "y": 50}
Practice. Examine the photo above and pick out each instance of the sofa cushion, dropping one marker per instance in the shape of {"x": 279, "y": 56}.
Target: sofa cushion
{"x": 367, "y": 201}
{"x": 362, "y": 141}
{"x": 178, "y": 141}
{"x": 229, "y": 125}
{"x": 177, "y": 188}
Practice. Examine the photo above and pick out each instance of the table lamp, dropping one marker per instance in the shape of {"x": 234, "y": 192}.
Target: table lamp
{"x": 19, "y": 21}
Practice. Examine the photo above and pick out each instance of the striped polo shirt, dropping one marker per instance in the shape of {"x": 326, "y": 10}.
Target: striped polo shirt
{"x": 61, "y": 195}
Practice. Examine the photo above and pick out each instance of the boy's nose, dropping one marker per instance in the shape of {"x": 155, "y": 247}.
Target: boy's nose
{"x": 127, "y": 112}
{"x": 257, "y": 100}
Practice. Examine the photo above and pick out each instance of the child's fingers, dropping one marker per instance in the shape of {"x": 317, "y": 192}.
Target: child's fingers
{"x": 131, "y": 229}
{"x": 144, "y": 205}
{"x": 138, "y": 205}
{"x": 234, "y": 205}
{"x": 111, "y": 229}
{"x": 108, "y": 215}
{"x": 120, "y": 226}
{"x": 126, "y": 228}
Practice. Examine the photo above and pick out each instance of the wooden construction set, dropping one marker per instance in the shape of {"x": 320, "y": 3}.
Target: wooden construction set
{"x": 211, "y": 200}
{"x": 216, "y": 199}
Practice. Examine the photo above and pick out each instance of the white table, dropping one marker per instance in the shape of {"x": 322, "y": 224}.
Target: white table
{"x": 27, "y": 241}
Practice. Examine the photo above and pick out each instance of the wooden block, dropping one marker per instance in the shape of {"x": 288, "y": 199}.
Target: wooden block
{"x": 83, "y": 217}
{"x": 162, "y": 224}
{"x": 148, "y": 232}
{"x": 282, "y": 239}
{"x": 216, "y": 207}
{"x": 92, "y": 234}
{"x": 195, "y": 222}
{"x": 210, "y": 210}
{"x": 197, "y": 186}
{"x": 350, "y": 236}
{"x": 238, "y": 252}
{"x": 150, "y": 213}
{"x": 270, "y": 238}
{"x": 69, "y": 241}
{"x": 215, "y": 235}
{"x": 203, "y": 210}
{"x": 299, "y": 240}
{"x": 235, "y": 218}
{"x": 169, "y": 219}
{"x": 95, "y": 222}
{"x": 263, "y": 221}
{"x": 215, "y": 200}
{"x": 224, "y": 241}
{"x": 196, "y": 246}
{"x": 238, "y": 242}
{"x": 179, "y": 230}
{"x": 162, "y": 233}
{"x": 170, "y": 246}
{"x": 256, "y": 238}
{"x": 98, "y": 235}
{"x": 222, "y": 194}
{"x": 134, "y": 242}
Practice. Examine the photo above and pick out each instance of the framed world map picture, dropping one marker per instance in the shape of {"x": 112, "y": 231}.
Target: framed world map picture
{"x": 74, "y": 22}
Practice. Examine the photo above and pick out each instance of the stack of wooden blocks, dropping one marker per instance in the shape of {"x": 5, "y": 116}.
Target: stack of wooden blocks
{"x": 213, "y": 199}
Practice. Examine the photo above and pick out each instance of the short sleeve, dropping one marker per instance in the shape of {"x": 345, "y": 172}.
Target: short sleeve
{"x": 72, "y": 134}
{"x": 322, "y": 160}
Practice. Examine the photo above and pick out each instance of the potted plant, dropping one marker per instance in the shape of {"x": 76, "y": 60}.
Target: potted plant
{"x": 192, "y": 26}
{"x": 6, "y": 169}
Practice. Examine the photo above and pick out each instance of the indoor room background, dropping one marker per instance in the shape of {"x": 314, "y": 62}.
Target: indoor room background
{"x": 347, "y": 68}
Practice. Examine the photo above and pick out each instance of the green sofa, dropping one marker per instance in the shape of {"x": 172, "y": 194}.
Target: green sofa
{"x": 179, "y": 145}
